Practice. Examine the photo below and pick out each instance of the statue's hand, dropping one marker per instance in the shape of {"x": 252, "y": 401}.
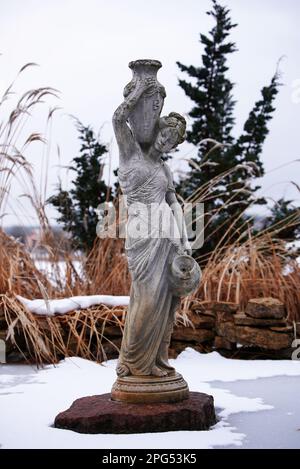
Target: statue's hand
{"x": 141, "y": 86}
{"x": 147, "y": 85}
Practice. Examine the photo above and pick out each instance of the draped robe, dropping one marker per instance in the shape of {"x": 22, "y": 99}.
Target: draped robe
{"x": 151, "y": 244}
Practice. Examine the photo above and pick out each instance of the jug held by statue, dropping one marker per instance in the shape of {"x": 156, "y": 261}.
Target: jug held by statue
{"x": 144, "y": 118}
{"x": 185, "y": 275}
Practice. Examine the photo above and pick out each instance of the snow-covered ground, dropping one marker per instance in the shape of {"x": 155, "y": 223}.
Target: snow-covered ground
{"x": 57, "y": 270}
{"x": 30, "y": 399}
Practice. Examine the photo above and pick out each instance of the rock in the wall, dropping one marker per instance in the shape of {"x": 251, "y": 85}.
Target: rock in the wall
{"x": 188, "y": 334}
{"x": 265, "y": 308}
{"x": 241, "y": 319}
{"x": 256, "y": 336}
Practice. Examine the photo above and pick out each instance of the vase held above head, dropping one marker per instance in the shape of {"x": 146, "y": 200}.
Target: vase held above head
{"x": 145, "y": 116}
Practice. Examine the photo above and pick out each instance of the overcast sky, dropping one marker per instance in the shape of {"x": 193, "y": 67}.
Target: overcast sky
{"x": 83, "y": 48}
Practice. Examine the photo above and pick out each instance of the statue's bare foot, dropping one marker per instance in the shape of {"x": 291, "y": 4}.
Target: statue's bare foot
{"x": 158, "y": 372}
{"x": 122, "y": 370}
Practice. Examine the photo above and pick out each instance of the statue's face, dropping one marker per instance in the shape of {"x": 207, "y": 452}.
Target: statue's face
{"x": 166, "y": 140}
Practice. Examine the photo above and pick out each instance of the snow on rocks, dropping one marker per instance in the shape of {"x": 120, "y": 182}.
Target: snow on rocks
{"x": 65, "y": 305}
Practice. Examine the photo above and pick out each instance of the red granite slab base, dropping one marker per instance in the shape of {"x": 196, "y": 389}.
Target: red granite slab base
{"x": 99, "y": 414}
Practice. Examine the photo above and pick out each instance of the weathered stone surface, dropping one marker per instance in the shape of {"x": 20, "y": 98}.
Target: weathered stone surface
{"x": 115, "y": 313}
{"x": 222, "y": 343}
{"x": 214, "y": 306}
{"x": 201, "y": 307}
{"x": 263, "y": 338}
{"x": 106, "y": 317}
{"x": 224, "y": 316}
{"x": 255, "y": 336}
{"x": 144, "y": 116}
{"x": 112, "y": 331}
{"x": 99, "y": 414}
{"x": 202, "y": 322}
{"x": 227, "y": 330}
{"x": 176, "y": 347}
{"x": 73, "y": 345}
{"x": 45, "y": 324}
{"x": 112, "y": 348}
{"x": 150, "y": 389}
{"x": 265, "y": 308}
{"x": 225, "y": 307}
{"x": 205, "y": 313}
{"x": 286, "y": 329}
{"x": 188, "y": 334}
{"x": 241, "y": 319}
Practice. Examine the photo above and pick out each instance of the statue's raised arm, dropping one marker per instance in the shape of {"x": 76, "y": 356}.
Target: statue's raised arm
{"x": 124, "y": 136}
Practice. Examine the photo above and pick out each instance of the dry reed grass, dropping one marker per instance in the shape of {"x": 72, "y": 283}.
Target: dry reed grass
{"x": 106, "y": 268}
{"x": 44, "y": 339}
{"x": 243, "y": 265}
{"x": 18, "y": 273}
{"x": 257, "y": 268}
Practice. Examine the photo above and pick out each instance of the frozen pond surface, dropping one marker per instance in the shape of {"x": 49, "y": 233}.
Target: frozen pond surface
{"x": 277, "y": 428}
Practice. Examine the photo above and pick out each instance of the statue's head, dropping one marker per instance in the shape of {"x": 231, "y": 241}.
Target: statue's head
{"x": 171, "y": 132}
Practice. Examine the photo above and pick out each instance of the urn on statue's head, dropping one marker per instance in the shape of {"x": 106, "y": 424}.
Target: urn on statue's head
{"x": 143, "y": 119}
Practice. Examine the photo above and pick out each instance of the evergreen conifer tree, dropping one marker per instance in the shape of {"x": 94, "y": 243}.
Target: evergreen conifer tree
{"x": 78, "y": 207}
{"x": 213, "y": 118}
{"x": 285, "y": 218}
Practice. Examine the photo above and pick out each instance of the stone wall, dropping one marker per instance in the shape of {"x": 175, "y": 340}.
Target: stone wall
{"x": 222, "y": 326}
{"x": 261, "y": 330}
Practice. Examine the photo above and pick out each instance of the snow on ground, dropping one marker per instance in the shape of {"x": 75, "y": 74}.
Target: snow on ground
{"x": 57, "y": 270}
{"x": 293, "y": 246}
{"x": 65, "y": 305}
{"x": 30, "y": 400}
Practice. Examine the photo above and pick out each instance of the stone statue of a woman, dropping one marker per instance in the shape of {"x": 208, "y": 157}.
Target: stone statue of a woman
{"x": 162, "y": 271}
{"x": 159, "y": 247}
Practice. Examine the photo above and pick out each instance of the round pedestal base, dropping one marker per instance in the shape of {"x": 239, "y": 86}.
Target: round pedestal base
{"x": 99, "y": 414}
{"x": 150, "y": 389}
